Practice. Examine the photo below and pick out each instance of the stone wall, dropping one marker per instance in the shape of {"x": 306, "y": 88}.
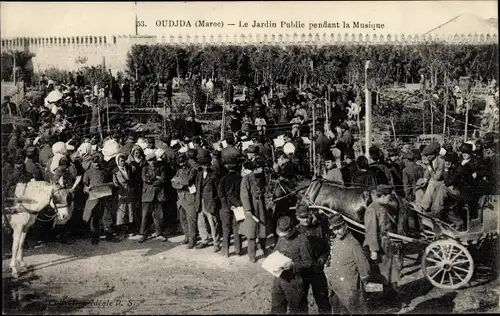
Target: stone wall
{"x": 63, "y": 52}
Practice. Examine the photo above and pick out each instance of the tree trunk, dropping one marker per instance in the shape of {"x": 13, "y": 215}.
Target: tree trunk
{"x": 393, "y": 128}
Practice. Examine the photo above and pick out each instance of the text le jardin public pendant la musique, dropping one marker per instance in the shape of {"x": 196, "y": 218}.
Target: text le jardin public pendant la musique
{"x": 312, "y": 25}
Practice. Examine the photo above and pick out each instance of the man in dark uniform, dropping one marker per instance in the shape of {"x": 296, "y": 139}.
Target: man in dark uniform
{"x": 380, "y": 219}
{"x": 347, "y": 270}
{"x": 229, "y": 194}
{"x": 288, "y": 291}
{"x": 317, "y": 234}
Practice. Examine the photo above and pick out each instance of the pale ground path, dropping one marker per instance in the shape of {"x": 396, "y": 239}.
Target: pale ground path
{"x": 166, "y": 278}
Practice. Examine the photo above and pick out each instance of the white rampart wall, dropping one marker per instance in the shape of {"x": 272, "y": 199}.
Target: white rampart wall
{"x": 62, "y": 52}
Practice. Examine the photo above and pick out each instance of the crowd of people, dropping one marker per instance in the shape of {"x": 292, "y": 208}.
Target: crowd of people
{"x": 129, "y": 185}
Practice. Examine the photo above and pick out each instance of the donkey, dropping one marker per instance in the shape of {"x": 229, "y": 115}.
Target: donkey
{"x": 29, "y": 200}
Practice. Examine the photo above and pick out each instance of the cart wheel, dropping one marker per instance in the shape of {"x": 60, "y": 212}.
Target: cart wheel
{"x": 447, "y": 264}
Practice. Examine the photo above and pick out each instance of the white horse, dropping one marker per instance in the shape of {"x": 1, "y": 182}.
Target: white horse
{"x": 30, "y": 199}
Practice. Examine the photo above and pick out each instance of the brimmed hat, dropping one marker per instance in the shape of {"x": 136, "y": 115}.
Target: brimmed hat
{"x": 204, "y": 160}
{"x": 302, "y": 211}
{"x": 489, "y": 138}
{"x": 416, "y": 153}
{"x": 192, "y": 153}
{"x": 336, "y": 221}
{"x": 285, "y": 225}
{"x": 466, "y": 148}
{"x": 253, "y": 149}
{"x": 384, "y": 189}
{"x": 328, "y": 156}
{"x": 410, "y": 155}
{"x": 431, "y": 149}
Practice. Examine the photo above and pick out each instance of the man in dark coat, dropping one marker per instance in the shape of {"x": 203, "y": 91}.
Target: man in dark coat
{"x": 33, "y": 168}
{"x": 378, "y": 168}
{"x": 265, "y": 150}
{"x": 185, "y": 202}
{"x": 126, "y": 92}
{"x": 219, "y": 169}
{"x": 411, "y": 173}
{"x": 379, "y": 220}
{"x": 193, "y": 128}
{"x": 363, "y": 176}
{"x": 229, "y": 195}
{"x": 347, "y": 139}
{"x": 97, "y": 208}
{"x": 322, "y": 143}
{"x": 395, "y": 170}
{"x": 349, "y": 167}
{"x": 153, "y": 195}
{"x": 230, "y": 153}
{"x": 137, "y": 94}
{"x": 207, "y": 203}
{"x": 288, "y": 291}
{"x": 347, "y": 270}
{"x": 317, "y": 235}
{"x": 255, "y": 225}
{"x": 202, "y": 152}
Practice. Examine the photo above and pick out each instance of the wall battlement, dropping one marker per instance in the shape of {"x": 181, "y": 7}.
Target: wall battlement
{"x": 68, "y": 52}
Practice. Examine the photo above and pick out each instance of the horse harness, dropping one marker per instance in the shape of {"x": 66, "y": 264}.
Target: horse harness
{"x": 23, "y": 208}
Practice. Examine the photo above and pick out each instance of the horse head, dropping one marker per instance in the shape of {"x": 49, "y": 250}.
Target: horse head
{"x": 61, "y": 202}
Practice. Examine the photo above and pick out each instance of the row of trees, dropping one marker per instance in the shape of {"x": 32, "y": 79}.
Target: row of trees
{"x": 22, "y": 60}
{"x": 310, "y": 64}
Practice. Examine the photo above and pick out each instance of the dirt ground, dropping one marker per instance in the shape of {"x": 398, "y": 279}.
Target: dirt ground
{"x": 167, "y": 278}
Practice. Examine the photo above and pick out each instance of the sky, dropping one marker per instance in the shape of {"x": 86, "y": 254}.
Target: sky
{"x": 47, "y": 19}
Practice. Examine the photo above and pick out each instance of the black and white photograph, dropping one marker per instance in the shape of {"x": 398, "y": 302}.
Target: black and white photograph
{"x": 267, "y": 157}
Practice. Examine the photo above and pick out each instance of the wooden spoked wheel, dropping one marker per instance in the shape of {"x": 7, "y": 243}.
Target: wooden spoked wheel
{"x": 447, "y": 264}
